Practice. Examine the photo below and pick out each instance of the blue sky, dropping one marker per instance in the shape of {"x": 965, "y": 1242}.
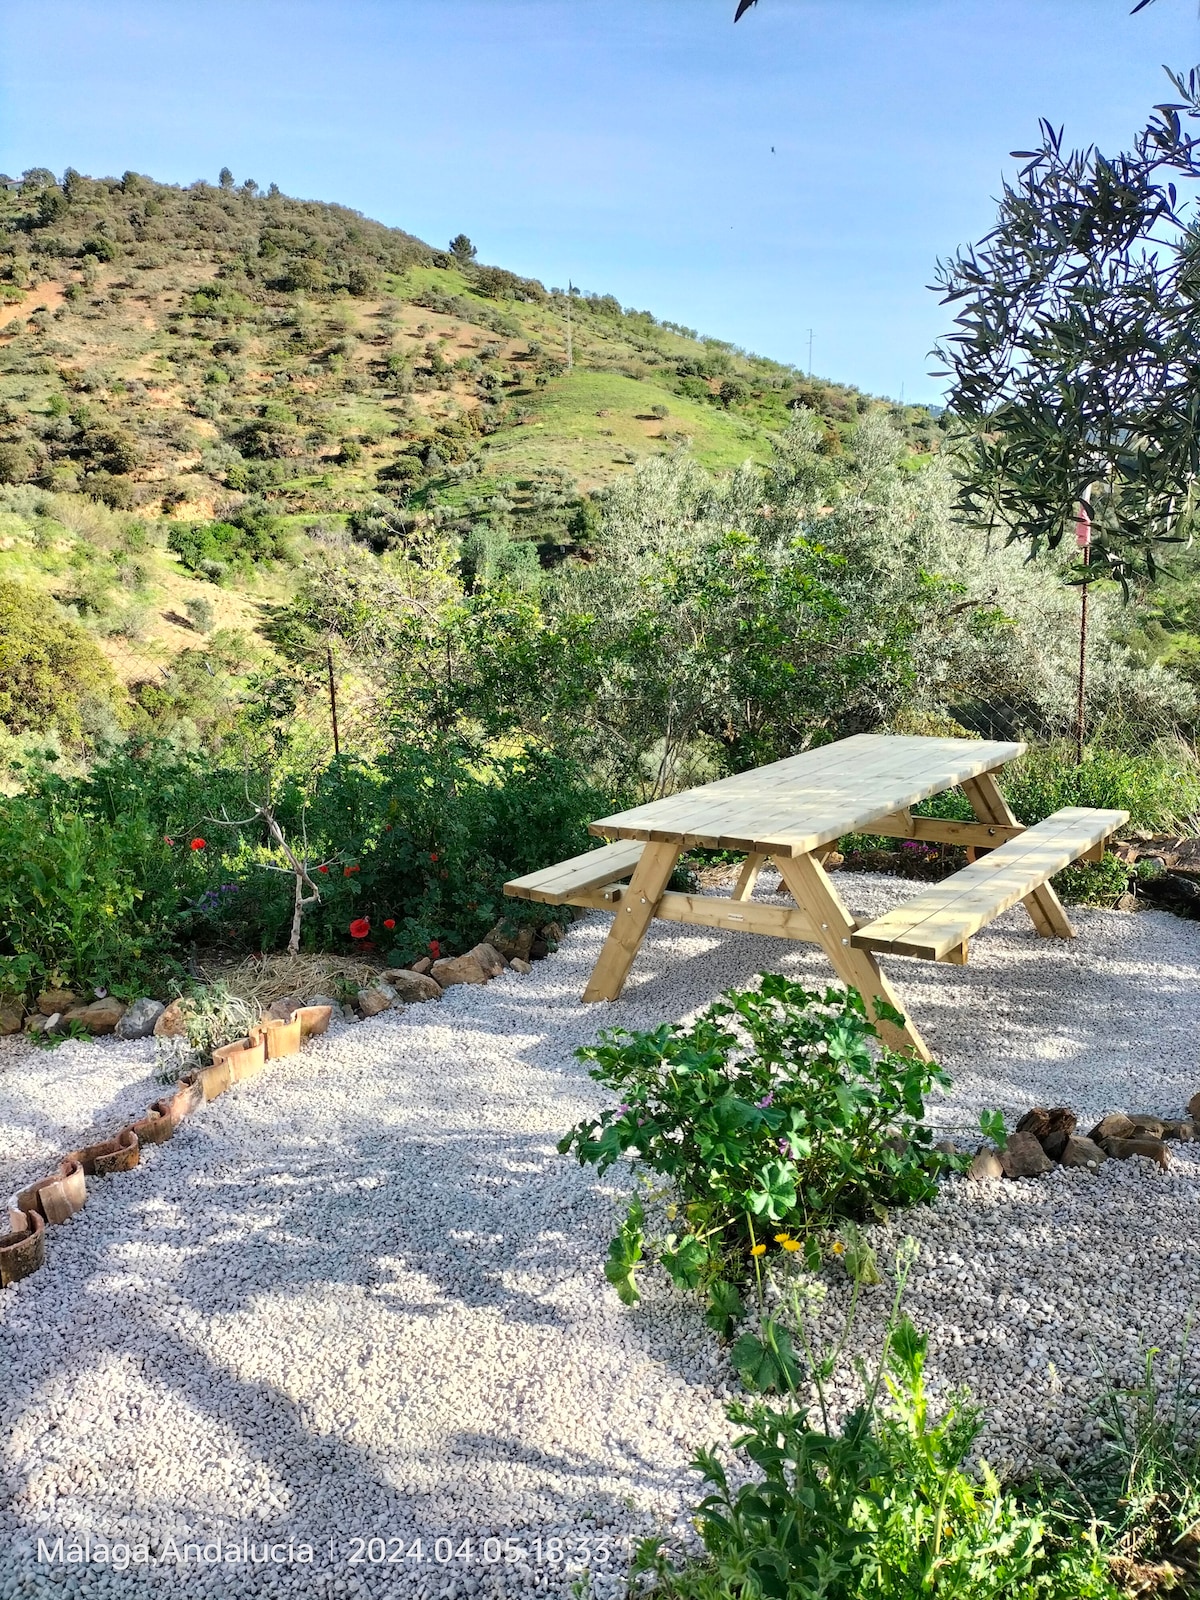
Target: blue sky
{"x": 624, "y": 143}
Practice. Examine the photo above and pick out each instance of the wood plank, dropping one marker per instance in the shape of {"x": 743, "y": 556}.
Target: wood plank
{"x": 798, "y": 804}
{"x": 711, "y": 911}
{"x": 834, "y": 928}
{"x": 1043, "y": 905}
{"x": 944, "y": 830}
{"x": 882, "y": 792}
{"x": 738, "y": 916}
{"x": 604, "y": 898}
{"x": 943, "y": 917}
{"x": 633, "y": 916}
{"x": 551, "y": 885}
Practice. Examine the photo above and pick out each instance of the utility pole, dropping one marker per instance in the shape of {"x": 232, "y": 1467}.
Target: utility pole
{"x": 810, "y": 352}
{"x": 1083, "y": 543}
{"x": 570, "y": 352}
{"x": 337, "y": 750}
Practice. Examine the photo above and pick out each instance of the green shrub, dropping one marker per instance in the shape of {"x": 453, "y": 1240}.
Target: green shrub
{"x": 200, "y": 613}
{"x": 767, "y": 1119}
{"x": 214, "y": 548}
{"x": 49, "y": 666}
{"x": 424, "y": 839}
{"x": 99, "y": 883}
{"x": 1160, "y": 789}
{"x": 85, "y": 902}
{"x": 1094, "y": 883}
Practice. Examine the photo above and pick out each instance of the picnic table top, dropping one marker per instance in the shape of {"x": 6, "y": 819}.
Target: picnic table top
{"x": 794, "y": 806}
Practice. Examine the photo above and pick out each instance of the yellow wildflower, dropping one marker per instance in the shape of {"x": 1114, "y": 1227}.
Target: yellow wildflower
{"x": 839, "y": 1249}
{"x": 758, "y": 1250}
{"x": 786, "y": 1240}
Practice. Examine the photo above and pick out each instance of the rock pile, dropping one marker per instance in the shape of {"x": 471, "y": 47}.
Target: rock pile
{"x": 506, "y": 949}
{"x": 1046, "y": 1137}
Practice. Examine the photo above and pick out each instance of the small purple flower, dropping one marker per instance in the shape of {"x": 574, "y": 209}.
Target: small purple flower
{"x": 766, "y": 1100}
{"x": 623, "y": 1111}
{"x": 100, "y": 993}
{"x": 785, "y": 1148}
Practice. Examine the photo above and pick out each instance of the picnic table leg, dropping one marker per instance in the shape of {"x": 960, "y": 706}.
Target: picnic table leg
{"x": 1043, "y": 905}
{"x": 633, "y": 916}
{"x": 747, "y": 878}
{"x": 813, "y": 892}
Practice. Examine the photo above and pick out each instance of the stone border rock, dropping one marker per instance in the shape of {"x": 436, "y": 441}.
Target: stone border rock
{"x": 1044, "y": 1137}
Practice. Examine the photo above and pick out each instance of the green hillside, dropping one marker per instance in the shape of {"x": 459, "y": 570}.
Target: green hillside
{"x": 179, "y": 350}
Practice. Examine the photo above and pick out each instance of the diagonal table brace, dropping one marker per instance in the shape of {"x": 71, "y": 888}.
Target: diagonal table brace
{"x": 832, "y": 926}
{"x": 821, "y": 918}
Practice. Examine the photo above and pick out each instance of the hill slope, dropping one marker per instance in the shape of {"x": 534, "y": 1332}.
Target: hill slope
{"x": 200, "y": 385}
{"x": 185, "y": 348}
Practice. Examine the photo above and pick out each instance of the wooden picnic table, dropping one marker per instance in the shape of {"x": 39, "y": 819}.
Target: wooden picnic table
{"x": 792, "y": 812}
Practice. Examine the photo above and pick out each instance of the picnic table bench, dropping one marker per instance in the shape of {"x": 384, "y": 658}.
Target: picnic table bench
{"x": 792, "y": 813}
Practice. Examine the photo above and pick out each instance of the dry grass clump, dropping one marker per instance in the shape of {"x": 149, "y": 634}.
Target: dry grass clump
{"x": 260, "y": 980}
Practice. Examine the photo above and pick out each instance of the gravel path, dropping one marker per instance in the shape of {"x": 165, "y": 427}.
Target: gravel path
{"x": 362, "y": 1297}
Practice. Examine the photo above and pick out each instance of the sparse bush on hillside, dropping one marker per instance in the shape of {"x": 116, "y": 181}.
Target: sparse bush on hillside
{"x": 200, "y": 611}
{"x": 218, "y": 550}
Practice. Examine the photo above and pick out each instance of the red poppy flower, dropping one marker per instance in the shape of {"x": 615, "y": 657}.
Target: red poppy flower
{"x": 348, "y": 870}
{"x": 322, "y": 869}
{"x": 360, "y": 928}
{"x": 197, "y": 844}
{"x": 435, "y": 949}
{"x": 389, "y": 922}
{"x": 433, "y": 855}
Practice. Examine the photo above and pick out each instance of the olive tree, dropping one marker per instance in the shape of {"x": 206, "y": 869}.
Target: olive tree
{"x": 1074, "y": 362}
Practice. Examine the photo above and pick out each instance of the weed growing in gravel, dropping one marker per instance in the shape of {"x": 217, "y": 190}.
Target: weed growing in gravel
{"x": 213, "y": 1017}
{"x": 768, "y": 1119}
{"x": 1144, "y": 1486}
{"x": 882, "y": 1507}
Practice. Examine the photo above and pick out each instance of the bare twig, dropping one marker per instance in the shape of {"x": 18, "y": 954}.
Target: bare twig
{"x": 298, "y": 865}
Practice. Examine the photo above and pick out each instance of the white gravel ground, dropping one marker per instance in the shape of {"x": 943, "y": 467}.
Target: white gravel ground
{"x": 362, "y": 1297}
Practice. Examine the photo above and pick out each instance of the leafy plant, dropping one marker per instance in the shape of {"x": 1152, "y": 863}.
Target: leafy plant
{"x": 212, "y": 1016}
{"x": 882, "y": 1508}
{"x": 761, "y": 1123}
{"x": 88, "y": 902}
{"x": 105, "y": 878}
